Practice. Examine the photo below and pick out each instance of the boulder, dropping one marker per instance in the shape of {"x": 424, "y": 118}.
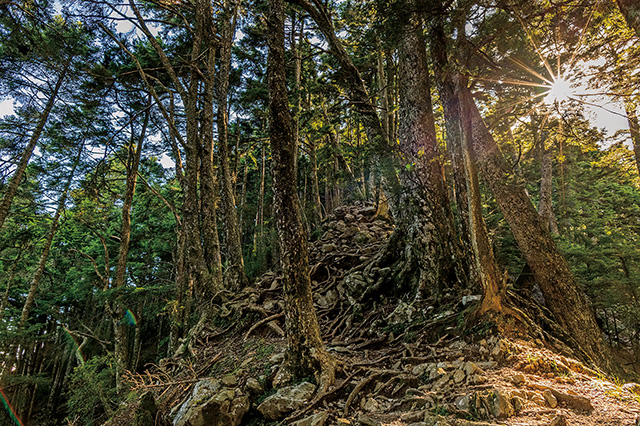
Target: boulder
{"x": 500, "y": 406}
{"x": 364, "y": 420}
{"x": 318, "y": 419}
{"x": 559, "y": 420}
{"x": 210, "y": 406}
{"x": 286, "y": 400}
{"x": 146, "y": 412}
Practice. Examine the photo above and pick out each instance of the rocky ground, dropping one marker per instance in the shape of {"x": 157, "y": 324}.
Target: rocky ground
{"x": 399, "y": 363}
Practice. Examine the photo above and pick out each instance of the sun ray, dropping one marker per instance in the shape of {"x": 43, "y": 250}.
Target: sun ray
{"x": 535, "y": 46}
{"x": 531, "y": 71}
{"x": 582, "y": 36}
{"x": 516, "y": 82}
{"x": 521, "y": 101}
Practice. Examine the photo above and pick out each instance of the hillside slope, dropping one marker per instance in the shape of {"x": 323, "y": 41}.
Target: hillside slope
{"x": 399, "y": 363}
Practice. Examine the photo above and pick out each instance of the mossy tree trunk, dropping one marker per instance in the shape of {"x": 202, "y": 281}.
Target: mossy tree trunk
{"x": 305, "y": 354}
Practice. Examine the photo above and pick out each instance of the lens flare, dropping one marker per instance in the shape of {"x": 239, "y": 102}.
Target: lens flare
{"x": 12, "y": 413}
{"x": 561, "y": 90}
{"x": 76, "y": 346}
{"x": 129, "y": 318}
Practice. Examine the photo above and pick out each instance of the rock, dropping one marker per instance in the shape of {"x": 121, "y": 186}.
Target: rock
{"x": 501, "y": 408}
{"x": 223, "y": 408}
{"x": 327, "y": 248}
{"x": 500, "y": 351}
{"x": 463, "y": 403}
{"x": 363, "y": 237}
{"x": 575, "y": 402}
{"x": 286, "y": 400}
{"x": 202, "y": 391}
{"x": 538, "y": 399}
{"x": 254, "y": 386}
{"x": 458, "y": 376}
{"x": 471, "y": 368}
{"x": 518, "y": 403}
{"x": 559, "y": 420}
{"x": 550, "y": 399}
{"x": 146, "y": 412}
{"x": 365, "y": 420}
{"x": 421, "y": 369}
{"x": 518, "y": 379}
{"x": 230, "y": 380}
{"x": 370, "y": 404}
{"x": 318, "y": 419}
{"x": 466, "y": 300}
{"x": 401, "y": 314}
{"x": 276, "y": 358}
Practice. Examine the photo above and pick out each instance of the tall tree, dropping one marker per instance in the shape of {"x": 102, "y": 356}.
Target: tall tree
{"x": 305, "y": 355}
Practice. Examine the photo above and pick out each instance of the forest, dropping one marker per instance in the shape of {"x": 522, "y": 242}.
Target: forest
{"x": 389, "y": 206}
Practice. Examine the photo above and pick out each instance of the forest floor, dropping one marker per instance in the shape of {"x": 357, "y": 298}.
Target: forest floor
{"x": 398, "y": 363}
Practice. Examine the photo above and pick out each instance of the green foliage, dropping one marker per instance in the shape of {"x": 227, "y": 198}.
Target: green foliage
{"x": 92, "y": 395}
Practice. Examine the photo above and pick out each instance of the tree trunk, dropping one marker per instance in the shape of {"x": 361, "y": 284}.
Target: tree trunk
{"x": 545, "y": 207}
{"x": 353, "y": 83}
{"x": 258, "y": 235}
{"x": 472, "y": 230}
{"x": 236, "y": 277}
{"x": 16, "y": 179}
{"x": 37, "y": 276}
{"x": 562, "y": 293}
{"x": 425, "y": 219}
{"x": 634, "y": 129}
{"x": 305, "y": 355}
{"x": 12, "y": 275}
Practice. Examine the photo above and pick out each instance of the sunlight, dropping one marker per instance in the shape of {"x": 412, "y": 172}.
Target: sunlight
{"x": 560, "y": 90}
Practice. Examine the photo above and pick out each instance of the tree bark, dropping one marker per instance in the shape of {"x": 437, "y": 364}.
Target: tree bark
{"x": 425, "y": 219}
{"x": 236, "y": 277}
{"x": 37, "y": 276}
{"x": 305, "y": 355}
{"x": 560, "y": 289}
{"x": 634, "y": 129}
{"x": 16, "y": 179}
{"x": 121, "y": 327}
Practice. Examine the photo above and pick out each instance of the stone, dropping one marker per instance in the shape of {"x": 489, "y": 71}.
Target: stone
{"x": 370, "y": 404}
{"x": 458, "y": 376}
{"x": 518, "y": 403}
{"x": 500, "y": 351}
{"x": 230, "y": 380}
{"x": 317, "y": 419}
{"x": 145, "y": 414}
{"x": 575, "y": 402}
{"x": 518, "y": 379}
{"x": 559, "y": 420}
{"x": 328, "y": 248}
{"x": 254, "y": 386}
{"x": 472, "y": 368}
{"x": 501, "y": 408}
{"x": 224, "y": 408}
{"x": 466, "y": 300}
{"x": 363, "y": 237}
{"x": 364, "y": 420}
{"x": 550, "y": 399}
{"x": 276, "y": 358}
{"x": 420, "y": 369}
{"x": 538, "y": 399}
{"x": 464, "y": 403}
{"x": 403, "y": 313}
{"x": 286, "y": 400}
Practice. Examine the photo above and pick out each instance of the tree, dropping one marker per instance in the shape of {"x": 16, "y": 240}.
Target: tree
{"x": 305, "y": 355}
